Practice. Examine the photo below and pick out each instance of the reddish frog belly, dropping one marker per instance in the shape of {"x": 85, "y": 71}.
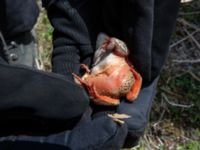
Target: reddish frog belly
{"x": 116, "y": 84}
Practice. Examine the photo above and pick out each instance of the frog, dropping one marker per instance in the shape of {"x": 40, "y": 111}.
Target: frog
{"x": 111, "y": 76}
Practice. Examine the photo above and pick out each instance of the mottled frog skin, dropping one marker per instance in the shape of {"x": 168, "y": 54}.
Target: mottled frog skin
{"x": 112, "y": 76}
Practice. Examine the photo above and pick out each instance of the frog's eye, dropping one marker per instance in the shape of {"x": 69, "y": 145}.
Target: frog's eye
{"x": 120, "y": 47}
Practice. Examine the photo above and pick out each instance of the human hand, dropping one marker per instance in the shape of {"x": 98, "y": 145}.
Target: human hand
{"x": 97, "y": 132}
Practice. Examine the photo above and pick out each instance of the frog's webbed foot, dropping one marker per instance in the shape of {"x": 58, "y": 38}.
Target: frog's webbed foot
{"x": 77, "y": 79}
{"x": 119, "y": 117}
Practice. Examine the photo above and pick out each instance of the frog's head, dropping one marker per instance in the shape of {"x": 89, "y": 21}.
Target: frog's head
{"x": 111, "y": 45}
{"x": 118, "y": 47}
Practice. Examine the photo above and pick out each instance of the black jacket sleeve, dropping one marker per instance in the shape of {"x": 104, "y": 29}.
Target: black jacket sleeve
{"x": 71, "y": 43}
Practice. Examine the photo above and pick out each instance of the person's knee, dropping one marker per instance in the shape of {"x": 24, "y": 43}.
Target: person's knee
{"x": 136, "y": 128}
{"x": 137, "y": 123}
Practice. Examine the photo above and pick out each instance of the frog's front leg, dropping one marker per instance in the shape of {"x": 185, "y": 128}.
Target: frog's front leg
{"x": 78, "y": 80}
{"x": 85, "y": 67}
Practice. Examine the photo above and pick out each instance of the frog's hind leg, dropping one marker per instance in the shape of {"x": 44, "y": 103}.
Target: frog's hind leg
{"x": 133, "y": 94}
{"x": 102, "y": 99}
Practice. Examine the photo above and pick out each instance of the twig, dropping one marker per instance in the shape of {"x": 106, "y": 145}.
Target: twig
{"x": 194, "y": 76}
{"x": 157, "y": 123}
{"x": 175, "y": 104}
{"x": 171, "y": 93}
{"x": 190, "y": 13}
{"x": 147, "y": 142}
{"x": 178, "y": 75}
{"x": 151, "y": 142}
{"x": 186, "y": 1}
{"x": 183, "y": 39}
{"x": 183, "y": 21}
{"x": 134, "y": 148}
{"x": 160, "y": 141}
{"x": 163, "y": 112}
{"x": 192, "y": 37}
{"x": 186, "y": 138}
{"x": 187, "y": 61}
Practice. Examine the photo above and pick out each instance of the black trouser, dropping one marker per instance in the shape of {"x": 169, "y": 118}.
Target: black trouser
{"x": 17, "y": 17}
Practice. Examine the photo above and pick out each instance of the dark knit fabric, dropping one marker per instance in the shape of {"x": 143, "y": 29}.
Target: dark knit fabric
{"x": 71, "y": 43}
